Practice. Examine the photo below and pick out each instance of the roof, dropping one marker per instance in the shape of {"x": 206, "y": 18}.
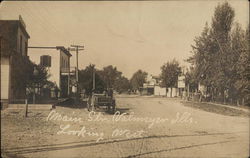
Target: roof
{"x": 64, "y": 50}
{"x": 14, "y": 24}
{"x": 61, "y": 48}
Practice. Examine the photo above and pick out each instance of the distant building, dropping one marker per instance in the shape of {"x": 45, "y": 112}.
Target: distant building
{"x": 152, "y": 86}
{"x": 13, "y": 46}
{"x": 181, "y": 85}
{"x": 57, "y": 62}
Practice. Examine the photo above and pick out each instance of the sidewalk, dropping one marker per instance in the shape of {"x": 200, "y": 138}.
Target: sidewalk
{"x": 245, "y": 108}
{"x": 30, "y": 106}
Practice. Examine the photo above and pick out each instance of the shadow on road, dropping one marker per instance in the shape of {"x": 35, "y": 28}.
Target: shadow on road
{"x": 106, "y": 111}
{"x": 123, "y": 110}
{"x": 71, "y": 145}
{"x": 72, "y": 103}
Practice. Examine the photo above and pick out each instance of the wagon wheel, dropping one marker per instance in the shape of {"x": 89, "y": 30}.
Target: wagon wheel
{"x": 89, "y": 103}
{"x": 113, "y": 106}
{"x": 109, "y": 107}
{"x": 92, "y": 103}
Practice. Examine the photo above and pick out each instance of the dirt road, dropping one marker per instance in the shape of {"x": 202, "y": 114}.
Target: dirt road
{"x": 143, "y": 127}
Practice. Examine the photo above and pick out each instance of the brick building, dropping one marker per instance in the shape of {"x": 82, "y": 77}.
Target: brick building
{"x": 13, "y": 46}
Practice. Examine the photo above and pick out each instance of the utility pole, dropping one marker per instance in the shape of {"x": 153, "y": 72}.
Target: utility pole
{"x": 76, "y": 48}
{"x": 93, "y": 79}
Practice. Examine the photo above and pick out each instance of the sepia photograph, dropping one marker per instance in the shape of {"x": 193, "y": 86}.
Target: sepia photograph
{"x": 125, "y": 79}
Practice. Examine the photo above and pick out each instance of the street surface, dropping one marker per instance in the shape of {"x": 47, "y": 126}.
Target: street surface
{"x": 145, "y": 127}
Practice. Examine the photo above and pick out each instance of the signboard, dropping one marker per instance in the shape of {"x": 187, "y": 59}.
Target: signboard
{"x": 181, "y": 81}
{"x": 74, "y": 89}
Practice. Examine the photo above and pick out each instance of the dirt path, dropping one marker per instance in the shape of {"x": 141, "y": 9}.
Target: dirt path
{"x": 195, "y": 134}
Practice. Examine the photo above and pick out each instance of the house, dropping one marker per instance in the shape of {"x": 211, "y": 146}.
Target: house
{"x": 57, "y": 62}
{"x": 152, "y": 86}
{"x": 13, "y": 46}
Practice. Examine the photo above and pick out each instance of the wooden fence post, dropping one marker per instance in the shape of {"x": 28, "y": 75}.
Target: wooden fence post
{"x": 26, "y": 108}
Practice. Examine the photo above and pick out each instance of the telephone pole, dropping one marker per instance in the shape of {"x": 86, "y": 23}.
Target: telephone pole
{"x": 93, "y": 88}
{"x": 76, "y": 48}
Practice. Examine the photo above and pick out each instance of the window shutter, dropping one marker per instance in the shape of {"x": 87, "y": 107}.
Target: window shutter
{"x": 41, "y": 60}
{"x": 49, "y": 61}
{"x": 45, "y": 60}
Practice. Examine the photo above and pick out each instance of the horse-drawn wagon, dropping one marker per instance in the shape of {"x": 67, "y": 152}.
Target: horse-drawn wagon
{"x": 97, "y": 100}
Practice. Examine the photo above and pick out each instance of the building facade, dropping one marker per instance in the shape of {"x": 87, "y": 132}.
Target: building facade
{"x": 152, "y": 86}
{"x": 14, "y": 48}
{"x": 57, "y": 62}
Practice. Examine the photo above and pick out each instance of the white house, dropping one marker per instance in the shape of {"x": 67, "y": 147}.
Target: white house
{"x": 152, "y": 86}
{"x": 57, "y": 61}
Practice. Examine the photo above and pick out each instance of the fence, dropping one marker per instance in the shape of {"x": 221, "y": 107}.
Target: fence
{"x": 194, "y": 96}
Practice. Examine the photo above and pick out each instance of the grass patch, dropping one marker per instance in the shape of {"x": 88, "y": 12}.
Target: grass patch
{"x": 216, "y": 109}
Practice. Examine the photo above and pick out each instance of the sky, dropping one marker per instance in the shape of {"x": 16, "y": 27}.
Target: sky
{"x": 130, "y": 35}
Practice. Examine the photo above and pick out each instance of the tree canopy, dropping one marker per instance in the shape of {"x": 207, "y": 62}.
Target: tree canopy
{"x": 86, "y": 79}
{"x": 108, "y": 77}
{"x": 218, "y": 54}
{"x": 169, "y": 73}
{"x": 138, "y": 78}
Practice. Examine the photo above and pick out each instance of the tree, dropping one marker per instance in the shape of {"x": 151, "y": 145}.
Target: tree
{"x": 190, "y": 79}
{"x": 203, "y": 57}
{"x": 122, "y": 84}
{"x": 220, "y": 33}
{"x": 216, "y": 55}
{"x": 20, "y": 76}
{"x": 232, "y": 72}
{"x": 110, "y": 75}
{"x": 169, "y": 74}
{"x": 86, "y": 80}
{"x": 138, "y": 78}
{"x": 23, "y": 77}
{"x": 243, "y": 68}
{"x": 222, "y": 22}
{"x": 40, "y": 77}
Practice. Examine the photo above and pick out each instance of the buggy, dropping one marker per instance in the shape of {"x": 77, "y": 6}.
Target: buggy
{"x": 102, "y": 99}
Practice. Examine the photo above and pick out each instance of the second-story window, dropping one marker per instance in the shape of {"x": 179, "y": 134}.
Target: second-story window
{"x": 21, "y": 44}
{"x": 61, "y": 62}
{"x": 45, "y": 60}
{"x": 26, "y": 48}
